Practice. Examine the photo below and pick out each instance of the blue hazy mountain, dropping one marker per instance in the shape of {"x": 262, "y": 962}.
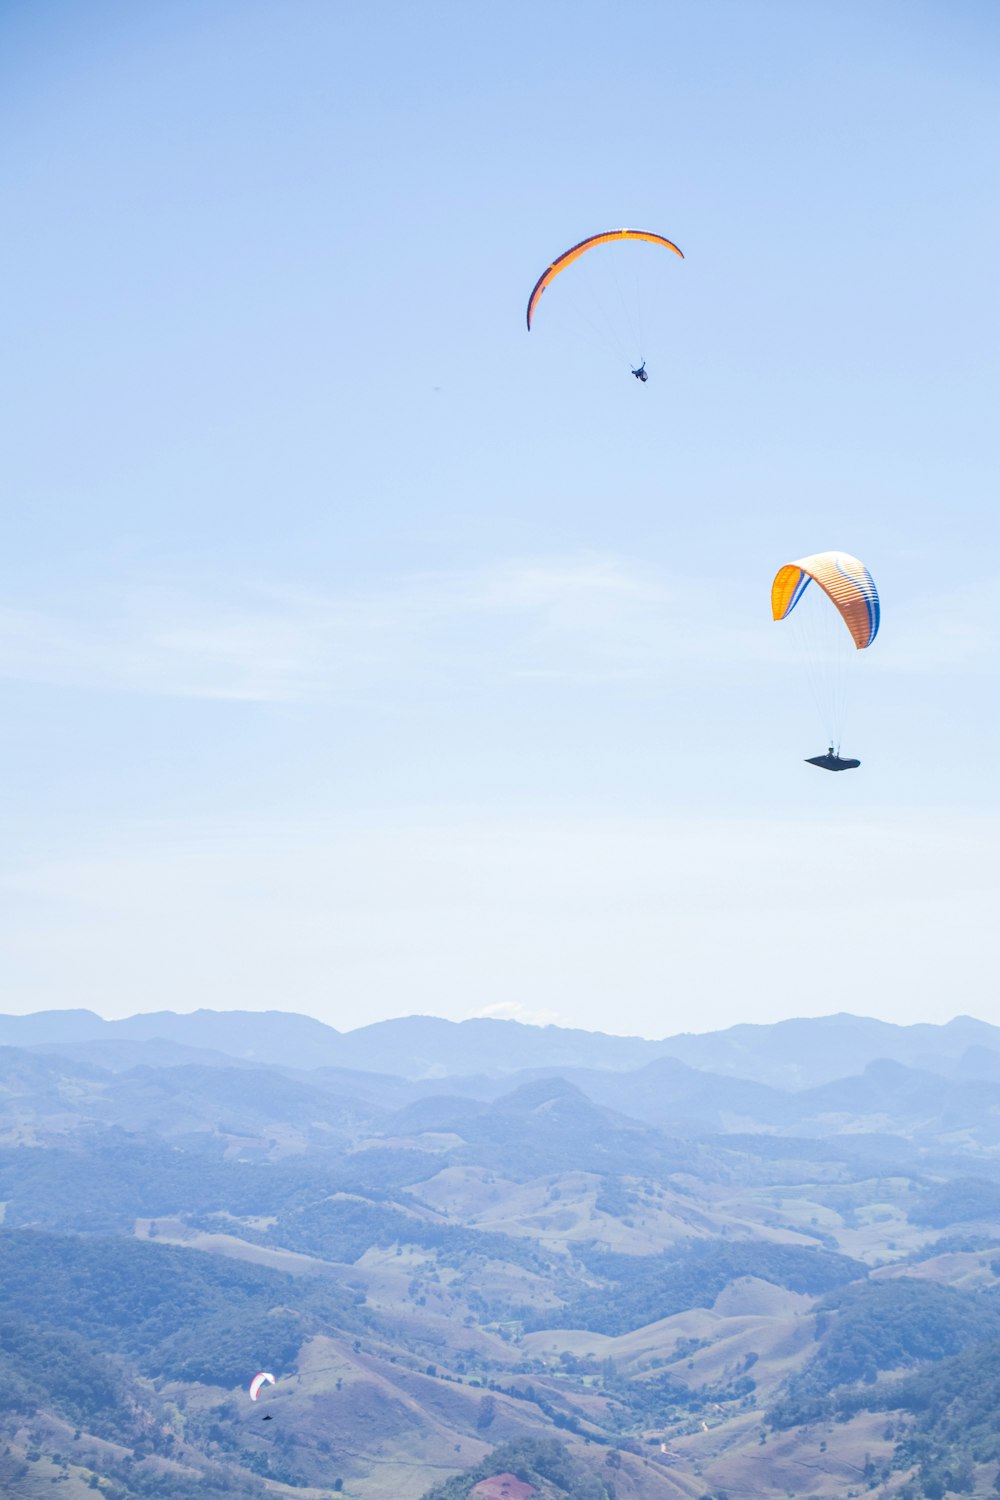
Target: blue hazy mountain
{"x": 794, "y": 1054}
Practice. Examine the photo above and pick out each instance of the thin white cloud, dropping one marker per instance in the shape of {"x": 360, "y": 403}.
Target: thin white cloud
{"x": 579, "y": 618}
{"x": 160, "y": 647}
{"x": 575, "y": 617}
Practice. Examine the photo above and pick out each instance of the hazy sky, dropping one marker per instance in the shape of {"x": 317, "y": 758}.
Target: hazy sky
{"x": 362, "y": 654}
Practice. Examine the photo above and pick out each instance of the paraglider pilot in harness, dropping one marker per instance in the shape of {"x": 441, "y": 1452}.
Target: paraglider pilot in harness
{"x": 640, "y": 373}
{"x": 833, "y": 761}
{"x": 850, "y": 588}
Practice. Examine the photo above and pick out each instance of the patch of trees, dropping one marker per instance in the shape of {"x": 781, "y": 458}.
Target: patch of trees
{"x": 105, "y": 1183}
{"x": 641, "y": 1289}
{"x": 614, "y": 1199}
{"x": 954, "y": 1406}
{"x": 109, "y": 1178}
{"x": 951, "y": 1423}
{"x": 654, "y": 1399}
{"x": 58, "y": 1369}
{"x": 383, "y": 1168}
{"x": 865, "y": 1156}
{"x": 879, "y": 1326}
{"x": 957, "y": 1202}
{"x": 177, "y": 1313}
{"x": 961, "y": 1242}
{"x": 343, "y": 1229}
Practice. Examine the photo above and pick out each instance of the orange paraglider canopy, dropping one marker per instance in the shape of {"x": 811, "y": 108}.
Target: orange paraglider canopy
{"x": 846, "y": 582}
{"x": 569, "y": 256}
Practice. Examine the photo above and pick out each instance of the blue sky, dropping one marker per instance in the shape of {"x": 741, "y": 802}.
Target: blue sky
{"x": 362, "y": 654}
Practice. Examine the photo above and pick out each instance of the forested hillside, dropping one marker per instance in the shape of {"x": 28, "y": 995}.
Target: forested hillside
{"x": 515, "y": 1283}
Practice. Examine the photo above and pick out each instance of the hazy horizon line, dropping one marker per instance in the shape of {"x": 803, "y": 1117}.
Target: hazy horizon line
{"x": 537, "y": 1025}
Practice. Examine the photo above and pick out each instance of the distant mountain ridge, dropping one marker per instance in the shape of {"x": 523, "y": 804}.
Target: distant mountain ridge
{"x": 789, "y": 1055}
